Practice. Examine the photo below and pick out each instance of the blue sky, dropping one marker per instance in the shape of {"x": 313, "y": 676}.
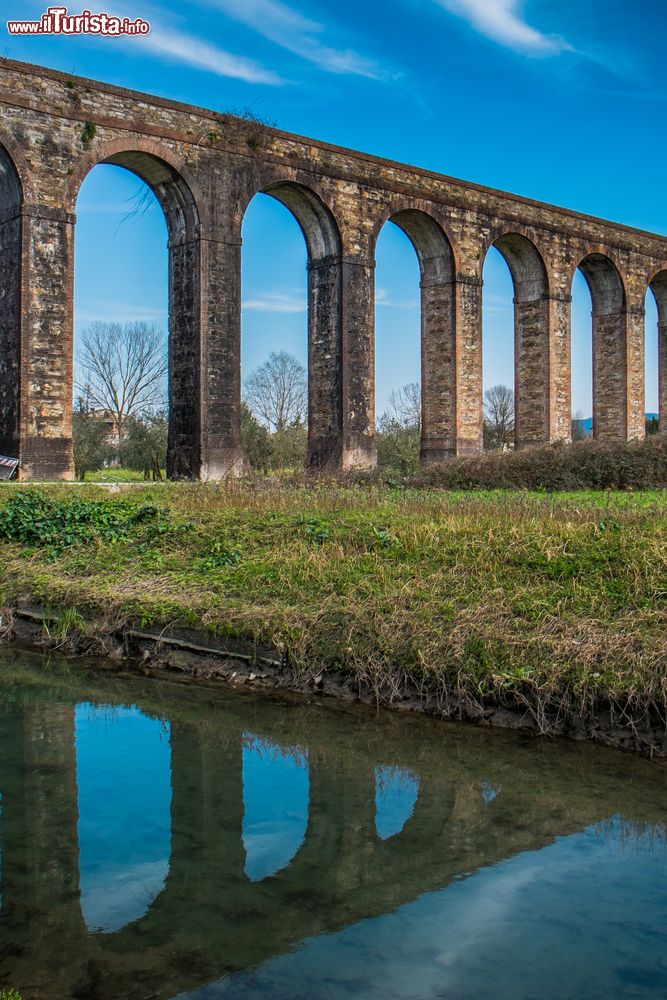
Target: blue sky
{"x": 556, "y": 101}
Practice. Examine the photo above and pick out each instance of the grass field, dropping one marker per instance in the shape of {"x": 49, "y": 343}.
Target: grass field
{"x": 556, "y": 601}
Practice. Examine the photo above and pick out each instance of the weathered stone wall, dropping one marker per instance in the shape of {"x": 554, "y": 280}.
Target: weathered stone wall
{"x": 205, "y": 169}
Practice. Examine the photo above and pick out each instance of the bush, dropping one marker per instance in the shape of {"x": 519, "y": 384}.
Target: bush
{"x": 255, "y": 440}
{"x": 91, "y": 443}
{"x": 145, "y": 444}
{"x": 584, "y": 465}
{"x": 398, "y": 447}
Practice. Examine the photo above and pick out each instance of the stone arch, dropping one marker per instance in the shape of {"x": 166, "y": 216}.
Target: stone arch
{"x": 428, "y": 236}
{"x": 658, "y": 286}
{"x": 166, "y": 174}
{"x": 526, "y": 263}
{"x": 609, "y": 317}
{"x": 437, "y": 267}
{"x": 605, "y": 283}
{"x": 318, "y": 225}
{"x": 325, "y": 337}
{"x": 11, "y": 201}
{"x": 14, "y": 167}
{"x": 181, "y": 201}
{"x": 11, "y": 186}
{"x": 531, "y": 335}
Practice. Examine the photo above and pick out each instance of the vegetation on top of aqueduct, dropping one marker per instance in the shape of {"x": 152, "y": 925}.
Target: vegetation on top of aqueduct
{"x": 554, "y": 604}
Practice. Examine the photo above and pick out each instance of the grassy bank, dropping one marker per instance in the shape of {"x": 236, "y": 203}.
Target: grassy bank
{"x": 553, "y": 603}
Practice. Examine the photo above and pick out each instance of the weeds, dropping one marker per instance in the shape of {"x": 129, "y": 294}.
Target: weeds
{"x": 33, "y": 518}
{"x": 548, "y": 603}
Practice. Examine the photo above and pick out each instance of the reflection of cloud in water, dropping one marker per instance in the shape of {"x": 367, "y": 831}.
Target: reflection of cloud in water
{"x": 276, "y": 791}
{"x": 114, "y": 896}
{"x": 396, "y": 794}
{"x": 577, "y": 918}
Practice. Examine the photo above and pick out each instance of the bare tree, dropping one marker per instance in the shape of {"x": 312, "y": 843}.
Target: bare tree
{"x": 277, "y": 392}
{"x": 405, "y": 405}
{"x": 499, "y": 415}
{"x": 123, "y": 369}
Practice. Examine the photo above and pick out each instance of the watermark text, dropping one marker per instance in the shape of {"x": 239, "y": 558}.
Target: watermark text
{"x": 58, "y": 21}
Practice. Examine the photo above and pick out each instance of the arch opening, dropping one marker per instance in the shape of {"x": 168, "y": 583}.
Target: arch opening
{"x": 581, "y": 359}
{"x": 124, "y": 799}
{"x": 607, "y": 341}
{"x": 293, "y": 367}
{"x": 276, "y": 794}
{"x": 396, "y": 794}
{"x": 415, "y": 354}
{"x": 159, "y": 294}
{"x": 516, "y": 358}
{"x": 656, "y": 354}
{"x": 11, "y": 198}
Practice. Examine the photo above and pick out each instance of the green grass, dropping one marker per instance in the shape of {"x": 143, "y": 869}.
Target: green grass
{"x": 113, "y": 475}
{"x": 552, "y": 601}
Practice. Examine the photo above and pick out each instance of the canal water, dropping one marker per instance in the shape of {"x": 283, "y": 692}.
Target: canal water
{"x": 162, "y": 841}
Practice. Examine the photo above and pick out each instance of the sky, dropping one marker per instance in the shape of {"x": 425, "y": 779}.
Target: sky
{"x": 558, "y": 101}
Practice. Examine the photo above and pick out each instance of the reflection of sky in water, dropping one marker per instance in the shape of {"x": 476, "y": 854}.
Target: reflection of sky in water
{"x": 490, "y": 792}
{"x": 396, "y": 792}
{"x": 124, "y": 778}
{"x": 276, "y": 790}
{"x": 585, "y": 917}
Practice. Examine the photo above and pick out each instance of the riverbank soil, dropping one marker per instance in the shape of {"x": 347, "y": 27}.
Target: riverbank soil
{"x": 544, "y": 611}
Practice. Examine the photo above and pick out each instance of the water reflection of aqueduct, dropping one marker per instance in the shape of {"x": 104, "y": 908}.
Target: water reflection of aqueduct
{"x": 210, "y": 918}
{"x": 205, "y": 169}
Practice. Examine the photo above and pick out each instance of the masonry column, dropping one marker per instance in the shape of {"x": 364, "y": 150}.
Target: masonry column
{"x": 47, "y": 344}
{"x": 610, "y": 410}
{"x": 41, "y": 923}
{"x": 220, "y": 401}
{"x": 662, "y": 372}
{"x": 469, "y": 413}
{"x": 325, "y": 402}
{"x": 10, "y": 330}
{"x": 531, "y": 371}
{"x": 542, "y": 367}
{"x": 438, "y": 435}
{"x": 559, "y": 425}
{"x": 635, "y": 373}
{"x": 358, "y": 375}
{"x": 185, "y": 321}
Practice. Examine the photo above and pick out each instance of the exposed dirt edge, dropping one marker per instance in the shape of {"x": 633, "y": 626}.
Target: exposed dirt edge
{"x": 195, "y": 658}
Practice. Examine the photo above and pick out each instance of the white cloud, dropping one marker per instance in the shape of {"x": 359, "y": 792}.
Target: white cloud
{"x": 120, "y": 312}
{"x": 277, "y": 302}
{"x": 193, "y": 51}
{"x": 182, "y": 47}
{"x": 502, "y": 20}
{"x": 383, "y": 298}
{"x": 299, "y": 35}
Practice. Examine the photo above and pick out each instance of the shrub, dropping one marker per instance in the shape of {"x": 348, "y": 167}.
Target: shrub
{"x": 587, "y": 464}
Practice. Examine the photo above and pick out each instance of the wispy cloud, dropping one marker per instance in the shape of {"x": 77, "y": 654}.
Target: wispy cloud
{"x": 277, "y": 302}
{"x": 120, "y": 312}
{"x": 503, "y": 21}
{"x": 192, "y": 51}
{"x": 383, "y": 298}
{"x": 299, "y": 35}
{"x": 181, "y": 46}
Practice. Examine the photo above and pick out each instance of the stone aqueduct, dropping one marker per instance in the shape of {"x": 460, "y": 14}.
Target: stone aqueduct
{"x": 205, "y": 168}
